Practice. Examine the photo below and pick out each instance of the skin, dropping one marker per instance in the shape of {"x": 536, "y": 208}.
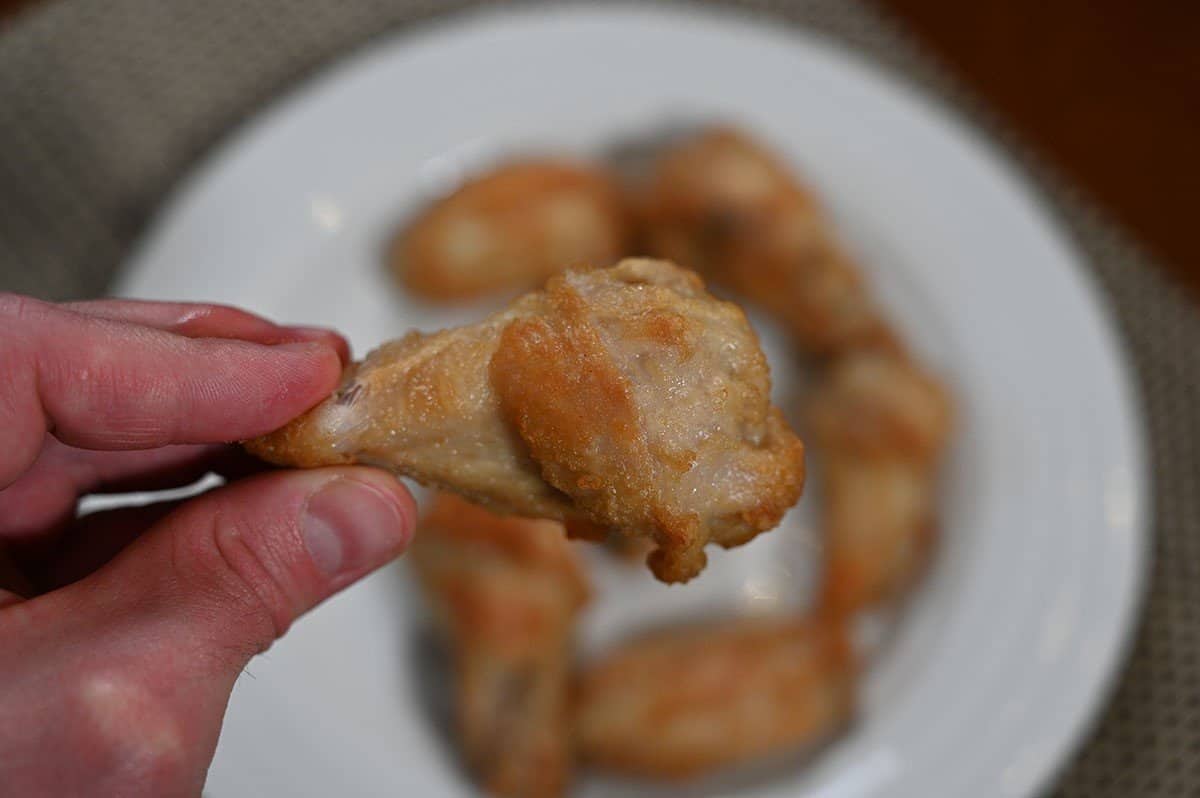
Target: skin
{"x": 723, "y": 204}
{"x": 123, "y": 632}
{"x": 627, "y": 397}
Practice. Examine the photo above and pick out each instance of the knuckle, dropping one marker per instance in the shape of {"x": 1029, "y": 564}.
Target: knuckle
{"x": 101, "y": 386}
{"x": 229, "y": 565}
{"x": 103, "y": 380}
{"x": 23, "y": 421}
{"x": 21, "y": 323}
{"x": 15, "y": 368}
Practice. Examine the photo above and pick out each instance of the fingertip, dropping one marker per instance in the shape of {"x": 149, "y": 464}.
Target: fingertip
{"x": 356, "y": 522}
{"x": 390, "y": 485}
{"x": 318, "y": 360}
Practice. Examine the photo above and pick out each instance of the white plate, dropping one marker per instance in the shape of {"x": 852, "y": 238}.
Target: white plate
{"x": 1007, "y": 649}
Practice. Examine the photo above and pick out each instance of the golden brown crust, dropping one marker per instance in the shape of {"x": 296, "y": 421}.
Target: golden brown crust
{"x": 722, "y": 204}
{"x": 882, "y": 424}
{"x": 506, "y": 592}
{"x": 510, "y": 229}
{"x": 627, "y": 397}
{"x": 879, "y": 523}
{"x": 423, "y": 406}
{"x": 532, "y": 544}
{"x": 579, "y": 423}
{"x": 684, "y": 703}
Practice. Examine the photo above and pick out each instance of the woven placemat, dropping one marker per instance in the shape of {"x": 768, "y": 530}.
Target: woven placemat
{"x": 104, "y": 104}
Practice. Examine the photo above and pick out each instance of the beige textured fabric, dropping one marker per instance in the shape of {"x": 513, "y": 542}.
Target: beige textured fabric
{"x": 105, "y": 103}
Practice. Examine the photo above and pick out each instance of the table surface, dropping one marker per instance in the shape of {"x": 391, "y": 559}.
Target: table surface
{"x": 1107, "y": 90}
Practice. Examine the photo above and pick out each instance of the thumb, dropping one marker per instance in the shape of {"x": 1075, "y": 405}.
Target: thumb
{"x": 233, "y": 569}
{"x": 143, "y": 654}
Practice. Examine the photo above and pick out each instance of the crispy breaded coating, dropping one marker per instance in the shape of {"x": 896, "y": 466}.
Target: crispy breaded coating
{"x": 882, "y": 425}
{"x": 683, "y": 703}
{"x": 627, "y": 397}
{"x": 720, "y": 203}
{"x": 510, "y": 229}
{"x": 505, "y": 594}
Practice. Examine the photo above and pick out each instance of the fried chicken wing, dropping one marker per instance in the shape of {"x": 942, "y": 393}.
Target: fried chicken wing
{"x": 881, "y": 424}
{"x": 627, "y": 397}
{"x": 512, "y": 228}
{"x": 505, "y": 594}
{"x": 720, "y": 203}
{"x": 680, "y": 704}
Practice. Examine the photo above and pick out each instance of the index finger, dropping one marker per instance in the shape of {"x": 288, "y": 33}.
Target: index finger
{"x": 97, "y": 383}
{"x": 204, "y": 320}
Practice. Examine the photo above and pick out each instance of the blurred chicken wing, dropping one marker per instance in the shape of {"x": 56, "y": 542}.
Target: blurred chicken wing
{"x": 510, "y": 229}
{"x": 720, "y": 203}
{"x": 684, "y": 703}
{"x": 881, "y": 424}
{"x": 505, "y": 593}
{"x": 627, "y": 397}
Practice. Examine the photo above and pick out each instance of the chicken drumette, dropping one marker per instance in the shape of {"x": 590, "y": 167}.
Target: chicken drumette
{"x": 720, "y": 203}
{"x": 882, "y": 425}
{"x": 682, "y": 703}
{"x": 626, "y": 397}
{"x": 505, "y": 593}
{"x": 510, "y": 229}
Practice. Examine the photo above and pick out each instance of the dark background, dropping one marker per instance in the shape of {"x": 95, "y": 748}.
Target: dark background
{"x": 1107, "y": 91}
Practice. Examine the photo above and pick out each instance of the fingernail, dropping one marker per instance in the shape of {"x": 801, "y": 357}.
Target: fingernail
{"x": 299, "y": 346}
{"x": 305, "y": 333}
{"x": 350, "y": 527}
{"x": 320, "y": 335}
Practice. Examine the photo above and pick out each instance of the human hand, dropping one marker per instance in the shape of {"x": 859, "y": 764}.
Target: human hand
{"x": 122, "y": 633}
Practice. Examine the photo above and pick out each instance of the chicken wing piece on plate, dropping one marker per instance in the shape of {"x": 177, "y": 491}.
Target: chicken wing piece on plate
{"x": 626, "y": 397}
{"x": 505, "y": 594}
{"x": 510, "y": 229}
{"x": 882, "y": 425}
{"x": 684, "y": 703}
{"x": 720, "y": 203}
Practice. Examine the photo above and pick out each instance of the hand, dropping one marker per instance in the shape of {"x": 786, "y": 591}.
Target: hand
{"x": 121, "y": 633}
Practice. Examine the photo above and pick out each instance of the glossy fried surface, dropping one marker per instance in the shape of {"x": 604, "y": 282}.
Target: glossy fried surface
{"x": 687, "y": 702}
{"x": 882, "y": 425}
{"x": 505, "y": 593}
{"x": 628, "y": 397}
{"x": 511, "y": 229}
{"x": 722, "y": 204}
